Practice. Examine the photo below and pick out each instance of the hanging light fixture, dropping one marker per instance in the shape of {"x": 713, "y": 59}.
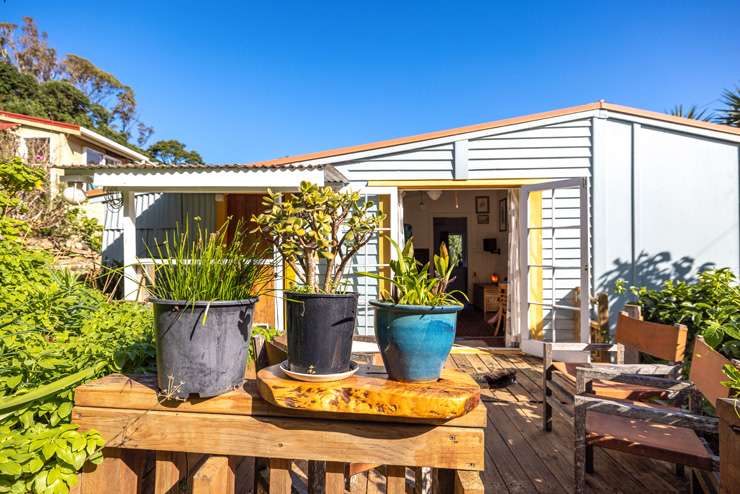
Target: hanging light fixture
{"x": 434, "y": 194}
{"x": 421, "y": 200}
{"x": 457, "y": 202}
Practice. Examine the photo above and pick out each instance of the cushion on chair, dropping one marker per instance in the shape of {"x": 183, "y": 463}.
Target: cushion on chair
{"x": 610, "y": 389}
{"x": 642, "y": 438}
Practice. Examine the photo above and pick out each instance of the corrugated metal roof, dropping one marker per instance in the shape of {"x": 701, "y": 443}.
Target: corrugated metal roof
{"x": 189, "y": 166}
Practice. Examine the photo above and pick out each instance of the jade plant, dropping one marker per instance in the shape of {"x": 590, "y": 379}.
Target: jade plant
{"x": 414, "y": 283}
{"x": 318, "y": 224}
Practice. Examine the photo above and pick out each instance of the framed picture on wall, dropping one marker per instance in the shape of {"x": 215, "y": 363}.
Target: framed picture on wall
{"x": 482, "y": 204}
{"x": 484, "y": 219}
{"x": 503, "y": 216}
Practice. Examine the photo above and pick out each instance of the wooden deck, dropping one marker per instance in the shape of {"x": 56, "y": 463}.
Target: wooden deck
{"x": 520, "y": 458}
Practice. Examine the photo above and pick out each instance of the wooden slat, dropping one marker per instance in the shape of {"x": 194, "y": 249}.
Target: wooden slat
{"x": 706, "y": 371}
{"x": 280, "y": 482}
{"x": 395, "y": 479}
{"x": 120, "y": 473}
{"x": 278, "y": 437}
{"x": 170, "y": 468}
{"x": 117, "y": 391}
{"x": 659, "y": 340}
{"x": 729, "y": 445}
{"x": 467, "y": 482}
{"x": 215, "y": 476}
{"x": 334, "y": 478}
{"x": 454, "y": 394}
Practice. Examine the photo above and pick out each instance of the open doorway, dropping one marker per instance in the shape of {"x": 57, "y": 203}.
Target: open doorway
{"x": 473, "y": 223}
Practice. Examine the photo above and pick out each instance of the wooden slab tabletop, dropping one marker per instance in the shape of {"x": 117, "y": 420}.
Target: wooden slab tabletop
{"x": 370, "y": 392}
{"x": 139, "y": 392}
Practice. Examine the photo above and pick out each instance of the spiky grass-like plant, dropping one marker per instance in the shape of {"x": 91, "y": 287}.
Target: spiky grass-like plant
{"x": 208, "y": 267}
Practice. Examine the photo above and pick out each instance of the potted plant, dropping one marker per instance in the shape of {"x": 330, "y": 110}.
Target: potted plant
{"x": 415, "y": 322}
{"x": 317, "y": 232}
{"x": 203, "y": 292}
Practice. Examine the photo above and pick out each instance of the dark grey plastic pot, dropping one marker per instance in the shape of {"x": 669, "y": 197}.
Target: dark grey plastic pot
{"x": 196, "y": 358}
{"x": 320, "y": 330}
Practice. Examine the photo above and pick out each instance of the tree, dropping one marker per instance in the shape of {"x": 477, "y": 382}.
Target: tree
{"x": 173, "y": 152}
{"x": 693, "y": 112}
{"x": 730, "y": 113}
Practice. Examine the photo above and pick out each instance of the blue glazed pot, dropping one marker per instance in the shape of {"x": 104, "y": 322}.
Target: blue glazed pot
{"x": 414, "y": 340}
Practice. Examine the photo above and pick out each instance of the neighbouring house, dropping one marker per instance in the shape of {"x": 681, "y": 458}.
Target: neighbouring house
{"x": 557, "y": 204}
{"x": 51, "y": 143}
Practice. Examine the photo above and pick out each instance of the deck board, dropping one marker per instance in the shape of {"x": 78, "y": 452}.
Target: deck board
{"x": 520, "y": 458}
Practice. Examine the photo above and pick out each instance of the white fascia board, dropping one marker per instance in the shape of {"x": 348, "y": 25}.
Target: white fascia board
{"x": 111, "y": 144}
{"x": 448, "y": 139}
{"x": 222, "y": 181}
{"x": 685, "y": 129}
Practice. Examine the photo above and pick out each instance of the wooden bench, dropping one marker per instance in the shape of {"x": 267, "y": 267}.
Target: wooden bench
{"x": 633, "y": 335}
{"x": 133, "y": 419}
{"x": 666, "y": 433}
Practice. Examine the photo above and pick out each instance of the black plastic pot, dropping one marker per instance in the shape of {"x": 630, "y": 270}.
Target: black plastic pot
{"x": 197, "y": 355}
{"x": 320, "y": 329}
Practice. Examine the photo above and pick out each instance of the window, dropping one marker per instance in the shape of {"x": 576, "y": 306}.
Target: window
{"x": 37, "y": 150}
{"x": 94, "y": 157}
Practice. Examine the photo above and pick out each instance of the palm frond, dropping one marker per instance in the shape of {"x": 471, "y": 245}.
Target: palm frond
{"x": 693, "y": 112}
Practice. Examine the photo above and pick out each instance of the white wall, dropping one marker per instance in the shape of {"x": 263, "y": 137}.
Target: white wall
{"x": 666, "y": 205}
{"x": 480, "y": 263}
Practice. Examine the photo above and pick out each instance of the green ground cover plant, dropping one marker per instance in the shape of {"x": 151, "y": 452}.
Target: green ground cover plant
{"x": 708, "y": 306}
{"x": 55, "y": 333}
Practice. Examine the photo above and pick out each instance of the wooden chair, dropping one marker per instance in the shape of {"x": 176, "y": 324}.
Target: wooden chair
{"x": 661, "y": 432}
{"x": 658, "y": 340}
{"x": 500, "y": 317}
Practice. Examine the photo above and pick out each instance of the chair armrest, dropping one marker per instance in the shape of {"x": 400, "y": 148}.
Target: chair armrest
{"x": 635, "y": 369}
{"x": 582, "y": 347}
{"x": 635, "y": 410}
{"x": 677, "y": 390}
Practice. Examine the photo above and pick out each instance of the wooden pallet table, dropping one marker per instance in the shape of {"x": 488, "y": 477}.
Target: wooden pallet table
{"x": 132, "y": 418}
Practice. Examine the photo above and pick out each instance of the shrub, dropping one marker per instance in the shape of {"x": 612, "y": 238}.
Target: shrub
{"x": 55, "y": 332}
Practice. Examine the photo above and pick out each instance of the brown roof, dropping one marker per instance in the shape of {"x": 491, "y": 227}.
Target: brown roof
{"x": 45, "y": 121}
{"x": 293, "y": 160}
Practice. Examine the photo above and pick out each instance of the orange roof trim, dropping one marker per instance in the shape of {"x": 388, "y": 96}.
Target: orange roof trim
{"x": 600, "y": 105}
{"x": 45, "y": 121}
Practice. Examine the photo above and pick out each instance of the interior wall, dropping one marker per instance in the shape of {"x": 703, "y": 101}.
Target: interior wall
{"x": 481, "y": 264}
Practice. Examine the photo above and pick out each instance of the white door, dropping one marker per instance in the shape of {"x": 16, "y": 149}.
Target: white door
{"x": 554, "y": 264}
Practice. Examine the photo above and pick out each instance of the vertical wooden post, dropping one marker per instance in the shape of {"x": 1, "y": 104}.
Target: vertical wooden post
{"x": 120, "y": 473}
{"x": 334, "y": 478}
{"x": 128, "y": 237}
{"x": 546, "y": 376}
{"x": 729, "y": 445}
{"x": 215, "y": 476}
{"x": 395, "y": 479}
{"x": 170, "y": 468}
{"x": 280, "y": 482}
{"x": 468, "y": 482}
{"x": 316, "y": 476}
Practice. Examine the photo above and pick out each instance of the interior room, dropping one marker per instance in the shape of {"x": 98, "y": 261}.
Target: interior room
{"x": 474, "y": 226}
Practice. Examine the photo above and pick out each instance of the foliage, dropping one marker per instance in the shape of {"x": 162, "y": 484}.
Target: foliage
{"x": 208, "y": 267}
{"x": 173, "y": 152}
{"x": 414, "y": 284}
{"x": 34, "y": 82}
{"x": 318, "y": 223}
{"x": 15, "y": 177}
{"x": 733, "y": 379}
{"x": 709, "y": 307}
{"x": 693, "y": 112}
{"x": 55, "y": 332}
{"x": 25, "y": 209}
{"x": 730, "y": 113}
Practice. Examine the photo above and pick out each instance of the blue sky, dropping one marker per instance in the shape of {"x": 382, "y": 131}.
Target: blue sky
{"x": 245, "y": 81}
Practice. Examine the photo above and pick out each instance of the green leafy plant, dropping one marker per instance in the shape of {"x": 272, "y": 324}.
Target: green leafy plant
{"x": 733, "y": 378}
{"x": 709, "y": 307}
{"x": 318, "y": 224}
{"x": 56, "y": 333}
{"x": 205, "y": 266}
{"x": 416, "y": 284}
{"x": 16, "y": 178}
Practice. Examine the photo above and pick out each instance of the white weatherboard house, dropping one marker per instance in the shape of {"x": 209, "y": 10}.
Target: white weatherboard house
{"x": 573, "y": 199}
